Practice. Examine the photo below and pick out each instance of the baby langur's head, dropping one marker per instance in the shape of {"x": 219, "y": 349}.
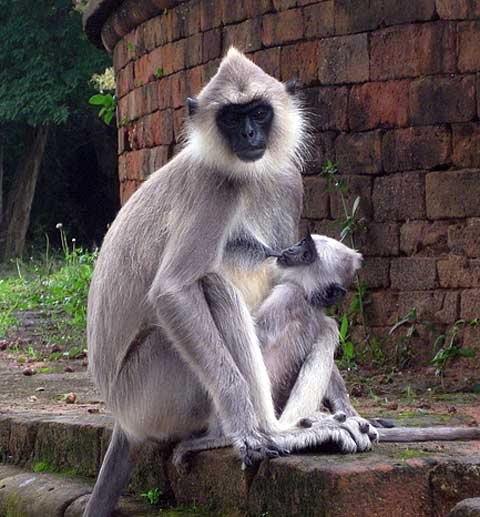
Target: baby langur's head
{"x": 322, "y": 266}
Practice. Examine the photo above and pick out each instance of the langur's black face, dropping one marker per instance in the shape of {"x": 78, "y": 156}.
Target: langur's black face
{"x": 301, "y": 254}
{"x": 246, "y": 128}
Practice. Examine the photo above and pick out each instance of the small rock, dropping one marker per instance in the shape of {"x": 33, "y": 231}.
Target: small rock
{"x": 33, "y": 398}
{"x": 40, "y": 388}
{"x": 56, "y": 348}
{"x": 93, "y": 410}
{"x": 392, "y": 405}
{"x": 68, "y": 369}
{"x": 357, "y": 390}
{"x": 29, "y": 372}
{"x": 85, "y": 362}
{"x": 452, "y": 410}
{"x": 3, "y": 344}
{"x": 71, "y": 398}
{"x": 423, "y": 405}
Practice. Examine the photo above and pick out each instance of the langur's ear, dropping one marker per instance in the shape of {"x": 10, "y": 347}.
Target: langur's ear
{"x": 292, "y": 86}
{"x": 329, "y": 296}
{"x": 192, "y": 105}
{"x": 309, "y": 245}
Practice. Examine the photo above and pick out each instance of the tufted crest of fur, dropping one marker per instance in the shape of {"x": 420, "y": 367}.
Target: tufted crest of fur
{"x": 238, "y": 81}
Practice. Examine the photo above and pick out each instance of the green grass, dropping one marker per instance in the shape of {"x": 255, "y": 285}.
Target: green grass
{"x": 55, "y": 287}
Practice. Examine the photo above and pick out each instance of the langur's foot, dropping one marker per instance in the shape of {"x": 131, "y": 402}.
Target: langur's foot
{"x": 256, "y": 447}
{"x": 364, "y": 434}
{"x": 181, "y": 459}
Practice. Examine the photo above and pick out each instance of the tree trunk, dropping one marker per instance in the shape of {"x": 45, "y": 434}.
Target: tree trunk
{"x": 1, "y": 184}
{"x": 16, "y": 217}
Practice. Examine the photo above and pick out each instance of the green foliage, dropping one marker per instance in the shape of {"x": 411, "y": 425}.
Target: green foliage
{"x": 152, "y": 496}
{"x": 45, "y": 62}
{"x": 159, "y": 73}
{"x": 107, "y": 103}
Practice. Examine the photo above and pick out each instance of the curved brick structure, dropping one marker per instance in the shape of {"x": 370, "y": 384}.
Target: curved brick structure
{"x": 396, "y": 95}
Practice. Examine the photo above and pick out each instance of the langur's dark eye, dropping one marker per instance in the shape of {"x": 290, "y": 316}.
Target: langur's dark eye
{"x": 306, "y": 256}
{"x": 260, "y": 114}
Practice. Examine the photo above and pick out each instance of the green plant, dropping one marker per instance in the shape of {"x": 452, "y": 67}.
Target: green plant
{"x": 159, "y": 73}
{"x": 107, "y": 103}
{"x": 152, "y": 496}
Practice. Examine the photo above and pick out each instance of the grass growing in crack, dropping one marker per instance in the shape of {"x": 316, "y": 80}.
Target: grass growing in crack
{"x": 152, "y": 496}
{"x": 44, "y": 466}
{"x": 57, "y": 288}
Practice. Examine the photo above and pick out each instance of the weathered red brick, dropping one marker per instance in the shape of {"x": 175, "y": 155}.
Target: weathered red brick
{"x": 315, "y": 198}
{"x": 380, "y": 239}
{"x": 120, "y": 54}
{"x": 194, "y": 50}
{"x": 135, "y": 135}
{"x": 412, "y": 50}
{"x": 319, "y": 20}
{"x": 127, "y": 188}
{"x": 329, "y": 105}
{"x": 399, "y": 197}
{"x": 416, "y": 148}
{"x": 435, "y": 100}
{"x": 125, "y": 80}
{"x": 149, "y": 97}
{"x": 458, "y": 9}
{"x": 178, "y": 89}
{"x": 257, "y": 7}
{"x": 396, "y": 12}
{"x": 234, "y": 12}
{"x": 357, "y": 15}
{"x": 282, "y": 27}
{"x": 179, "y": 116}
{"x": 470, "y": 305}
{"x": 193, "y": 81}
{"x": 135, "y": 107}
{"x": 453, "y": 194}
{"x": 191, "y": 11}
{"x": 438, "y": 306}
{"x": 269, "y": 60}
{"x": 464, "y": 238}
{"x": 212, "y": 44}
{"x": 413, "y": 273}
{"x": 382, "y": 104}
{"x": 159, "y": 128}
{"x": 375, "y": 272}
{"x": 322, "y": 149}
{"x": 382, "y": 308}
{"x": 164, "y": 92}
{"x": 424, "y": 238}
{"x": 246, "y": 36}
{"x": 175, "y": 22}
{"x": 343, "y": 59}
{"x": 456, "y": 271}
{"x": 299, "y": 61}
{"x": 281, "y": 5}
{"x": 466, "y": 144}
{"x": 357, "y": 186}
{"x": 210, "y": 15}
{"x": 359, "y": 153}
{"x": 331, "y": 228}
{"x": 468, "y": 53}
{"x": 158, "y": 157}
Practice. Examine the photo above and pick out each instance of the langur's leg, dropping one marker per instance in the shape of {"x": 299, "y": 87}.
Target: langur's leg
{"x": 114, "y": 475}
{"x": 185, "y": 449}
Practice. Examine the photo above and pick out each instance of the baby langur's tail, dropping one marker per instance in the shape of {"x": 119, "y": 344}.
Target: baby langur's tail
{"x": 428, "y": 434}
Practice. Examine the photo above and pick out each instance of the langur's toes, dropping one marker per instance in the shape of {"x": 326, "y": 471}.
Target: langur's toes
{"x": 305, "y": 423}
{"x": 340, "y": 416}
{"x": 364, "y": 426}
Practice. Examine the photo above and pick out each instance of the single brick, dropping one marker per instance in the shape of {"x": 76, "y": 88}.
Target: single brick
{"x": 176, "y": 23}
{"x": 322, "y": 149}
{"x": 246, "y": 36}
{"x": 343, "y": 59}
{"x": 257, "y": 7}
{"x": 438, "y": 306}
{"x": 319, "y": 20}
{"x": 453, "y": 194}
{"x": 125, "y": 80}
{"x": 357, "y": 186}
{"x": 282, "y": 27}
{"x": 468, "y": 46}
{"x": 470, "y": 305}
{"x": 158, "y": 157}
{"x": 399, "y": 197}
{"x": 210, "y": 15}
{"x": 413, "y": 273}
{"x": 193, "y": 81}
{"x": 396, "y": 12}
{"x": 329, "y": 107}
{"x": 373, "y": 105}
{"x": 212, "y": 44}
{"x": 149, "y": 97}
{"x": 458, "y": 9}
{"x": 357, "y": 15}
{"x": 327, "y": 227}
{"x": 179, "y": 116}
{"x": 435, "y": 100}
{"x": 466, "y": 144}
{"x": 456, "y": 271}
{"x": 412, "y": 50}
{"x": 315, "y": 198}
{"x": 299, "y": 61}
{"x": 191, "y": 12}
{"x": 120, "y": 54}
{"x": 127, "y": 188}
{"x": 269, "y": 60}
{"x": 416, "y": 148}
{"x": 160, "y": 128}
{"x": 382, "y": 309}
{"x": 359, "y": 153}
{"x": 380, "y": 239}
{"x": 464, "y": 238}
{"x": 178, "y": 89}
{"x": 424, "y": 238}
{"x": 194, "y": 50}
{"x": 164, "y": 92}
{"x": 281, "y": 5}
{"x": 375, "y": 272}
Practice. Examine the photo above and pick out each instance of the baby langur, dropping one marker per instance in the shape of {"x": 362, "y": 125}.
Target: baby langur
{"x": 298, "y": 339}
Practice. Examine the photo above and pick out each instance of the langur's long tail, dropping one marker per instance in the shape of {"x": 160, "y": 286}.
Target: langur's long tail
{"x": 428, "y": 434}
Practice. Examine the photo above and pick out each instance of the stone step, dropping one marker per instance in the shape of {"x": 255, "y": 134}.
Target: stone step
{"x": 418, "y": 480}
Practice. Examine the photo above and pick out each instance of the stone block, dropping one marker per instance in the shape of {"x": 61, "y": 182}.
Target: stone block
{"x": 357, "y": 186}
{"x": 316, "y": 204}
{"x": 269, "y": 61}
{"x": 437, "y": 306}
{"x": 357, "y": 15}
{"x": 466, "y": 144}
{"x": 319, "y": 20}
{"x": 464, "y": 238}
{"x": 470, "y": 304}
{"x": 193, "y": 81}
{"x": 343, "y": 59}
{"x": 125, "y": 80}
{"x": 412, "y": 50}
{"x": 383, "y": 104}
{"x": 413, "y": 273}
{"x": 322, "y": 149}
{"x": 359, "y": 153}
{"x": 127, "y": 188}
{"x": 159, "y": 128}
{"x": 327, "y": 227}
{"x": 467, "y": 508}
{"x": 212, "y": 44}
{"x": 424, "y": 238}
{"x": 194, "y": 50}
{"x": 246, "y": 36}
{"x": 458, "y": 9}
{"x": 299, "y": 61}
{"x": 455, "y": 271}
{"x": 21, "y": 442}
{"x": 281, "y": 5}
{"x": 164, "y": 93}
{"x": 396, "y": 12}
{"x": 399, "y": 197}
{"x": 375, "y": 272}
{"x": 329, "y": 107}
{"x": 379, "y": 239}
{"x": 210, "y": 15}
{"x": 468, "y": 54}
{"x": 435, "y": 100}
{"x": 453, "y": 194}
{"x": 416, "y": 148}
{"x": 282, "y": 27}
{"x": 178, "y": 89}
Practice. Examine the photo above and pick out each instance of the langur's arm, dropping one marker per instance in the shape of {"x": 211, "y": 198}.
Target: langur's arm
{"x": 337, "y": 397}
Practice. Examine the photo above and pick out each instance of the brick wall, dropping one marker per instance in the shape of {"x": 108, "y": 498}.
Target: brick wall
{"x": 394, "y": 90}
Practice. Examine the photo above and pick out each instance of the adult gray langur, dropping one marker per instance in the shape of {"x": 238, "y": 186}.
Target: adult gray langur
{"x": 171, "y": 341}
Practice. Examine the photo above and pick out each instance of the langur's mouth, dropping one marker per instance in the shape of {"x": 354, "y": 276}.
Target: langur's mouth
{"x": 251, "y": 155}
